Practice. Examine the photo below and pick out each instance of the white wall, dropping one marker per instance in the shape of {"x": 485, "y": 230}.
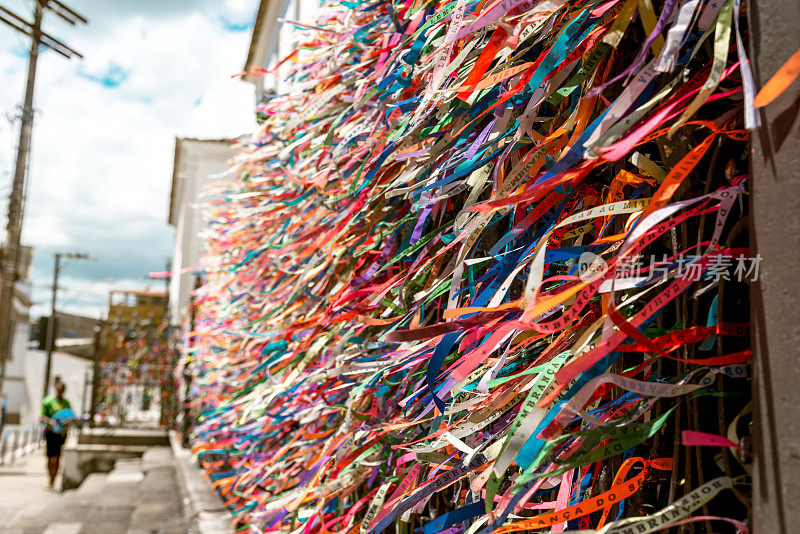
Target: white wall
{"x": 289, "y": 36}
{"x": 14, "y": 385}
{"x": 199, "y": 161}
{"x": 73, "y": 372}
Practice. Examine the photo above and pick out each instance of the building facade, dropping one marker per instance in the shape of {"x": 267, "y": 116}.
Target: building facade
{"x": 196, "y": 161}
{"x": 14, "y": 387}
{"x": 274, "y": 37}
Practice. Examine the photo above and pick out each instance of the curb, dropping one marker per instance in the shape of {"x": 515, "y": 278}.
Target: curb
{"x": 202, "y": 505}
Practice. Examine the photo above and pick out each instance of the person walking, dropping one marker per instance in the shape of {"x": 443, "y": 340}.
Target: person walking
{"x": 55, "y": 432}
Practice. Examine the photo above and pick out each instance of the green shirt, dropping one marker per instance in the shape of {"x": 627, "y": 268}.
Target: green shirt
{"x": 52, "y": 404}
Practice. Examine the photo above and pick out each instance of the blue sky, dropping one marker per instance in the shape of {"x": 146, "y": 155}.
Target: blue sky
{"x": 105, "y": 127}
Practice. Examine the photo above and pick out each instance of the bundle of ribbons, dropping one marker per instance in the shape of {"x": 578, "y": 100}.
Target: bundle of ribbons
{"x": 137, "y": 358}
{"x": 482, "y": 269}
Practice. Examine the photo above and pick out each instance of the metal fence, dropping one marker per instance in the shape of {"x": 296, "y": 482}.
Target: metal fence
{"x": 19, "y": 441}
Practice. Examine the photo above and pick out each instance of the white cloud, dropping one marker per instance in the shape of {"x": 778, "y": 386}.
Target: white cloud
{"x": 102, "y": 156}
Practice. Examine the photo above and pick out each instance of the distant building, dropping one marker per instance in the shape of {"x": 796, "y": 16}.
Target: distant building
{"x": 196, "y": 160}
{"x": 74, "y": 334}
{"x": 14, "y": 387}
{"x": 137, "y": 305}
{"x": 72, "y": 358}
{"x": 132, "y": 309}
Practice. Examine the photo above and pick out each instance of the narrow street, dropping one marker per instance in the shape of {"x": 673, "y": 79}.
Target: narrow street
{"x": 139, "y": 496}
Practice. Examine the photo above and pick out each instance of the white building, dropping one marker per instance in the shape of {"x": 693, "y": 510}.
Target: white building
{"x": 197, "y": 161}
{"x": 23, "y": 386}
{"x": 274, "y": 36}
{"x": 15, "y": 386}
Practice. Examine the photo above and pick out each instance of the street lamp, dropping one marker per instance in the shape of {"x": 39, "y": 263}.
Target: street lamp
{"x": 51, "y": 328}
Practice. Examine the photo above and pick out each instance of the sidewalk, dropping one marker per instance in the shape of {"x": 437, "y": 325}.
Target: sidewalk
{"x": 22, "y": 483}
{"x": 202, "y": 505}
{"x": 139, "y": 496}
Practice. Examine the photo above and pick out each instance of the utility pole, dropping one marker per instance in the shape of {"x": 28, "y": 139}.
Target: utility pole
{"x": 84, "y": 395}
{"x": 99, "y": 332}
{"x": 51, "y": 324}
{"x": 11, "y": 252}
